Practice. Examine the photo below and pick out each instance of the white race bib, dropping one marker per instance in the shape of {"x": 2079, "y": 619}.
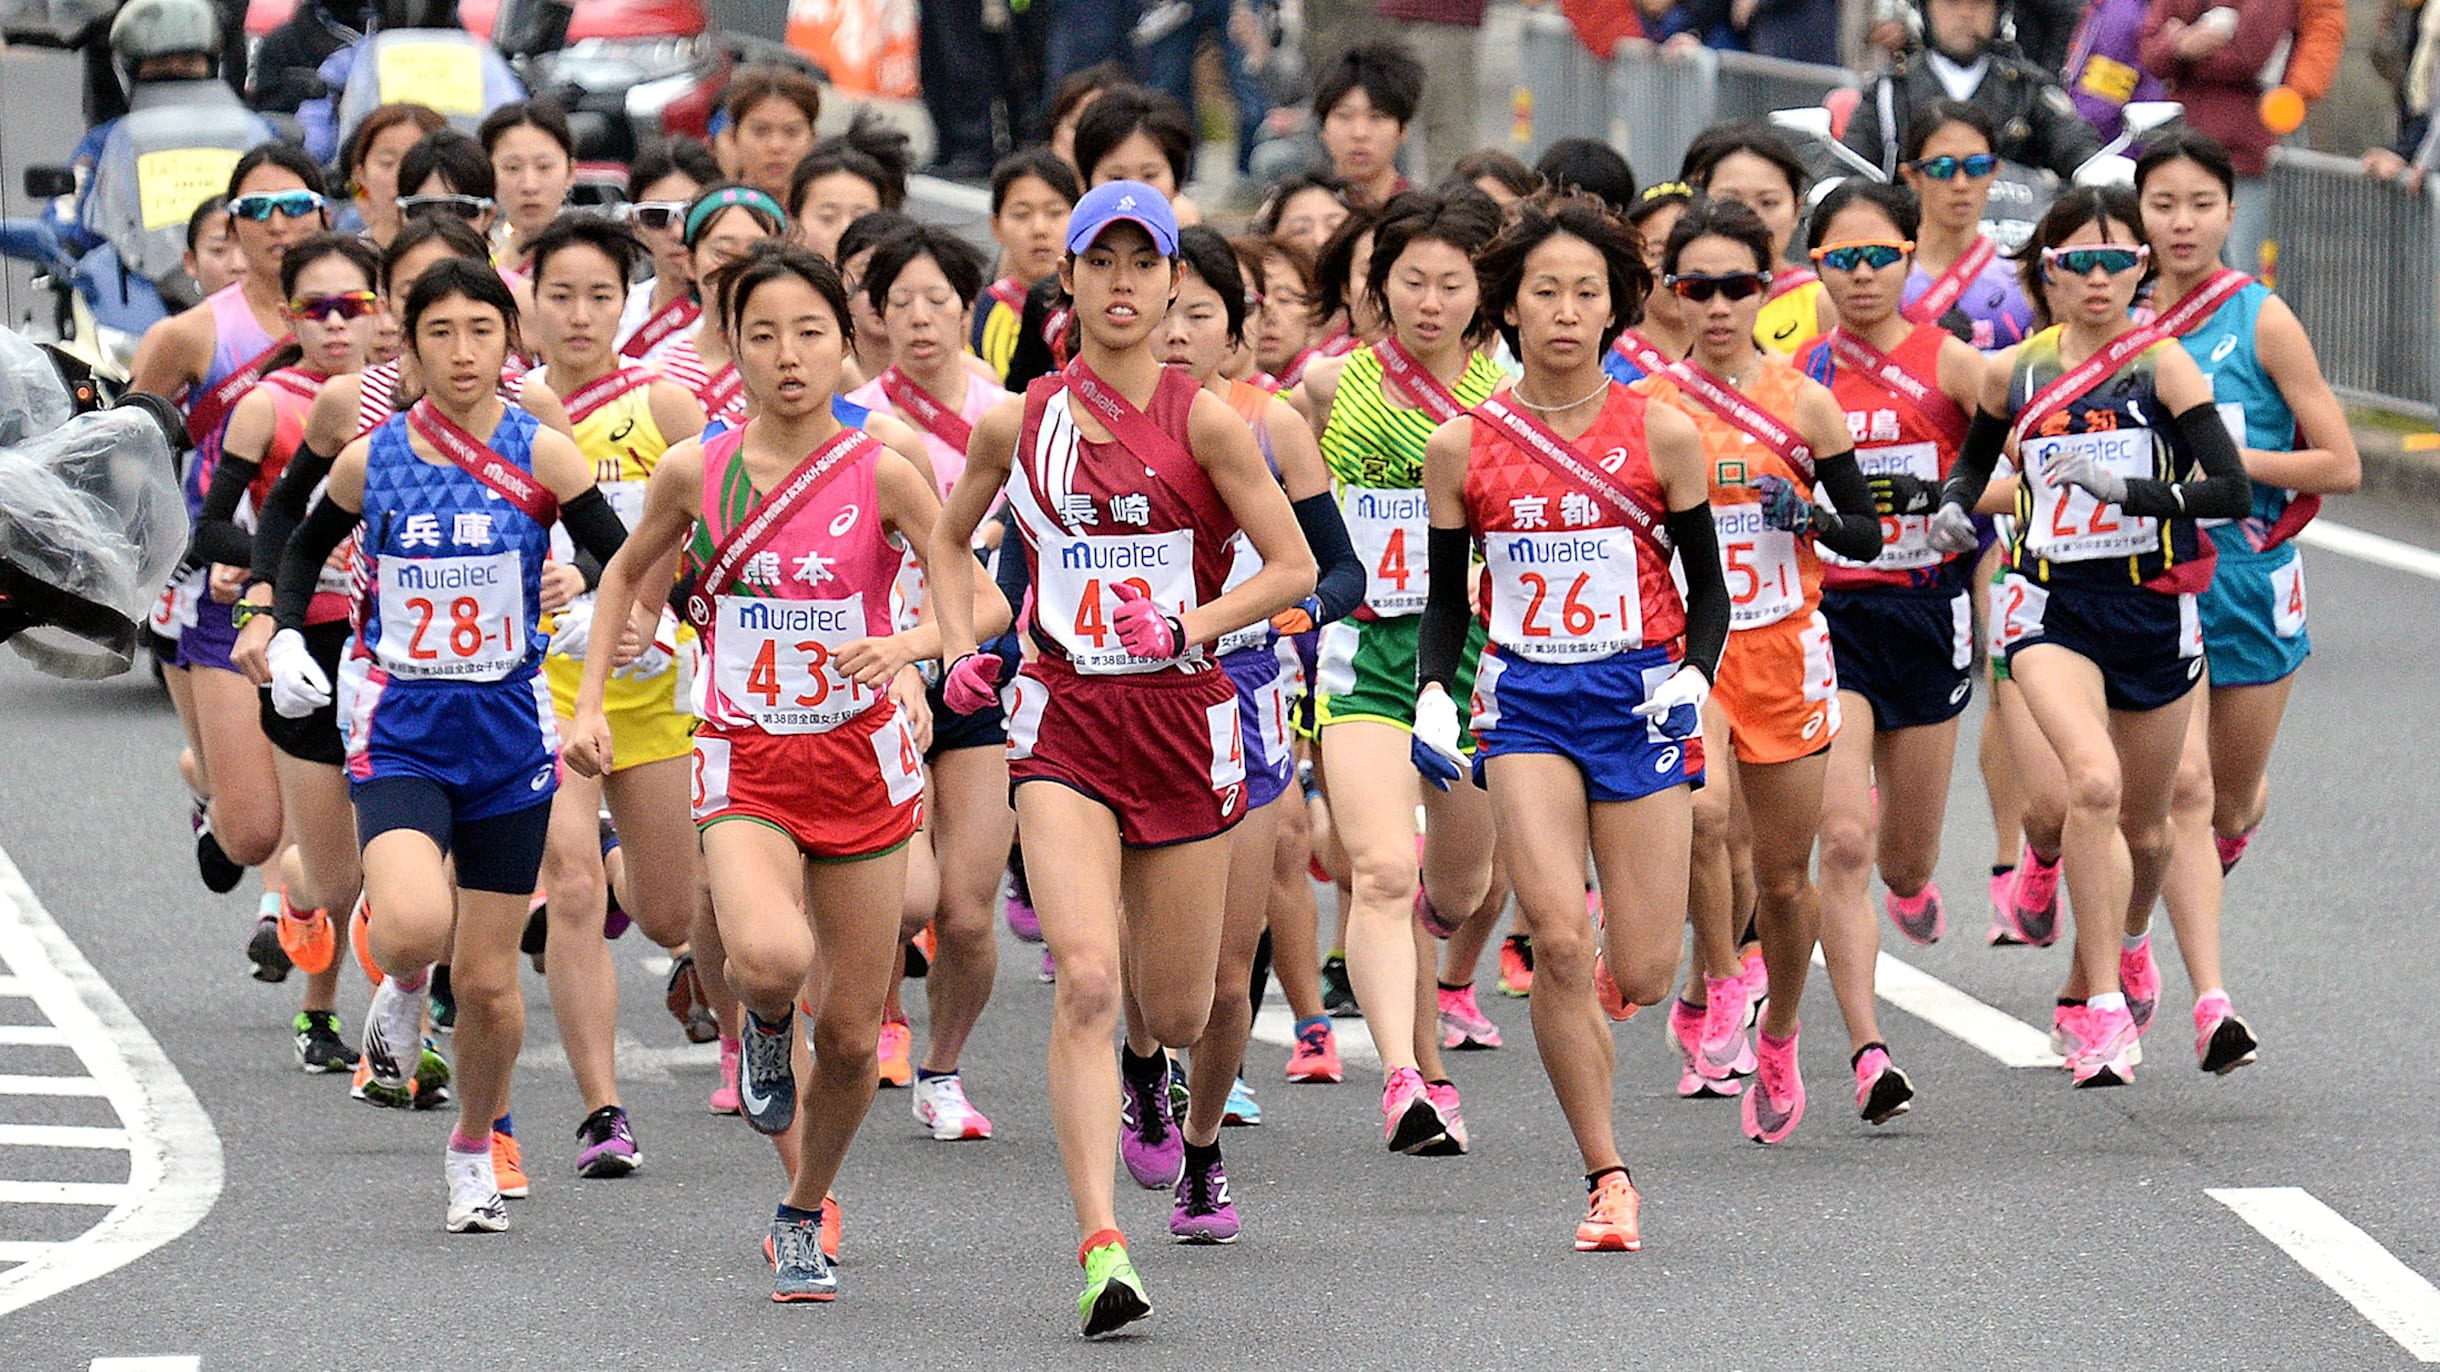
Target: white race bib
{"x": 1080, "y": 576}
{"x": 772, "y": 660}
{"x": 1388, "y": 527}
{"x": 453, "y": 618}
{"x": 1565, "y": 597}
{"x": 1764, "y": 585}
{"x": 2068, "y": 524}
{"x": 1905, "y": 539}
{"x": 1243, "y": 563}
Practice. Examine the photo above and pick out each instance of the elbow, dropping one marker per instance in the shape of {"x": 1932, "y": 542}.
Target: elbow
{"x": 2346, "y": 473}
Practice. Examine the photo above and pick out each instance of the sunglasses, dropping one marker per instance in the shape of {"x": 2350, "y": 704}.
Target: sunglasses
{"x": 1876, "y": 253}
{"x": 341, "y": 305}
{"x": 1699, "y": 287}
{"x": 467, "y": 207}
{"x": 656, "y": 215}
{"x": 1980, "y": 164}
{"x": 2109, "y": 257}
{"x": 261, "y": 205}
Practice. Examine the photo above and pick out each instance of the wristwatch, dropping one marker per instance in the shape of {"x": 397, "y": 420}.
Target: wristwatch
{"x": 245, "y": 610}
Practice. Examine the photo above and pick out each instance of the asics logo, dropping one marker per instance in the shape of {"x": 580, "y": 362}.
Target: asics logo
{"x": 1960, "y": 693}
{"x": 541, "y": 779}
{"x": 2223, "y": 348}
{"x": 1816, "y": 724}
{"x": 1667, "y": 761}
{"x": 843, "y": 521}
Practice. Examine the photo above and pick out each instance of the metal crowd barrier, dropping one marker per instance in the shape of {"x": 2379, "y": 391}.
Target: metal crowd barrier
{"x": 2358, "y": 260}
{"x": 1562, "y": 90}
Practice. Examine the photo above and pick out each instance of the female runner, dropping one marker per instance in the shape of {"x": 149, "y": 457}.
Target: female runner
{"x": 533, "y": 167}
{"x": 1959, "y": 280}
{"x": 1664, "y": 334}
{"x": 1770, "y": 436}
{"x": 660, "y": 183}
{"x": 721, "y": 223}
{"x": 451, "y": 748}
{"x": 1124, "y": 743}
{"x": 371, "y": 160}
{"x": 844, "y": 178}
{"x": 1753, "y": 165}
{"x": 2106, "y": 419}
{"x": 1588, "y": 702}
{"x": 1901, "y": 628}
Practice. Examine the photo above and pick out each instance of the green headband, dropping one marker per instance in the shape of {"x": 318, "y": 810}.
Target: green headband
{"x": 745, "y": 197}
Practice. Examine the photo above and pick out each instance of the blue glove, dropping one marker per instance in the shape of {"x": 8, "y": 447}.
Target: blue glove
{"x": 1784, "y": 507}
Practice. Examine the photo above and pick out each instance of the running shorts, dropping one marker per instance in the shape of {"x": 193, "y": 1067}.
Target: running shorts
{"x": 1262, "y": 721}
{"x": 1367, "y": 671}
{"x": 1584, "y": 712}
{"x": 1161, "y": 750}
{"x": 491, "y": 747}
{"x": 951, "y": 731}
{"x": 1908, "y": 653}
{"x": 2149, "y": 646}
{"x": 855, "y": 791}
{"x": 2253, "y": 613}
{"x": 316, "y": 737}
{"x": 207, "y": 641}
{"x": 501, "y": 853}
{"x": 647, "y": 722}
{"x": 1780, "y": 690}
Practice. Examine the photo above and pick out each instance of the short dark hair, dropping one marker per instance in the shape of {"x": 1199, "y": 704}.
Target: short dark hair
{"x": 1939, "y": 114}
{"x": 608, "y": 237}
{"x": 460, "y": 161}
{"x": 769, "y": 81}
{"x": 523, "y": 114}
{"x": 354, "y": 247}
{"x": 476, "y": 281}
{"x": 1591, "y": 166}
{"x": 1733, "y": 220}
{"x": 679, "y": 156}
{"x": 1903, "y": 208}
{"x": 1287, "y": 188}
{"x": 2076, "y": 207}
{"x": 1501, "y": 268}
{"x": 1082, "y": 86}
{"x": 455, "y": 234}
{"x": 287, "y": 157}
{"x": 769, "y": 260}
{"x": 896, "y": 252}
{"x": 212, "y": 205}
{"x": 867, "y": 230}
{"x": 1334, "y": 267}
{"x": 1123, "y": 111}
{"x": 1502, "y": 166}
{"x": 1461, "y": 216}
{"x": 1208, "y": 255}
{"x": 750, "y": 203}
{"x": 1718, "y": 143}
{"x": 383, "y": 119}
{"x": 1039, "y": 163}
{"x": 1387, "y": 73}
{"x": 870, "y": 150}
{"x": 2182, "y": 143}
{"x": 1656, "y": 197}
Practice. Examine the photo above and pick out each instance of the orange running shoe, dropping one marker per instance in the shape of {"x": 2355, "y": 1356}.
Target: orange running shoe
{"x": 1611, "y": 1219}
{"x": 897, "y": 1041}
{"x": 508, "y": 1166}
{"x": 307, "y": 937}
{"x": 357, "y": 923}
{"x": 1614, "y": 1002}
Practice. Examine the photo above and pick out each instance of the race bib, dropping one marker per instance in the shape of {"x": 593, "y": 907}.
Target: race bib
{"x": 1565, "y": 597}
{"x": 2068, "y": 524}
{"x": 1243, "y": 563}
{"x": 1764, "y": 585}
{"x": 1389, "y": 527}
{"x": 2287, "y": 599}
{"x": 172, "y": 182}
{"x": 453, "y": 618}
{"x": 773, "y": 660}
{"x": 1080, "y": 577}
{"x": 1906, "y": 541}
{"x": 446, "y": 76}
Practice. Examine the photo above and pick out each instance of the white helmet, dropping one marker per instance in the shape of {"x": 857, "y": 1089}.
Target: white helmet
{"x": 146, "y": 29}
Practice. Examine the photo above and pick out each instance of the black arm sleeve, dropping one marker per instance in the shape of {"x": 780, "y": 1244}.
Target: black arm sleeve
{"x": 217, "y": 539}
{"x": 593, "y": 526}
{"x": 589, "y": 567}
{"x": 2224, "y": 492}
{"x": 1985, "y": 437}
{"x": 1698, "y": 550}
{"x": 1854, "y": 530}
{"x": 1339, "y": 585}
{"x": 1442, "y": 637}
{"x": 1014, "y": 574}
{"x": 283, "y": 509}
{"x": 301, "y": 559}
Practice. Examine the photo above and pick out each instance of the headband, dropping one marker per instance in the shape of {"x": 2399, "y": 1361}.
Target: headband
{"x": 746, "y": 197}
{"x": 1666, "y": 188}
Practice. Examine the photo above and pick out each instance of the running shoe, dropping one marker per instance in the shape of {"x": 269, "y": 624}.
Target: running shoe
{"x": 766, "y": 1079}
{"x": 475, "y": 1204}
{"x": 1113, "y": 1294}
{"x": 359, "y": 920}
{"x": 1178, "y": 1097}
{"x": 1204, "y": 1213}
{"x": 430, "y": 1088}
{"x": 2067, "y": 1030}
{"x": 897, "y": 1044}
{"x": 1315, "y": 1058}
{"x": 1613, "y": 1001}
{"x": 393, "y": 1035}
{"x": 919, "y": 953}
{"x": 605, "y": 1145}
{"x": 1777, "y": 1100}
{"x": 2034, "y": 900}
{"x": 1686, "y": 1031}
{"x": 508, "y": 1166}
{"x": 1462, "y": 1025}
{"x": 684, "y": 997}
{"x": 834, "y": 1226}
{"x": 941, "y": 1106}
{"x": 1725, "y": 1050}
{"x": 724, "y": 1095}
{"x": 1409, "y": 1120}
{"x": 2233, "y": 849}
{"x": 1018, "y": 911}
{"x": 319, "y": 1046}
{"x": 1516, "y": 966}
{"x": 2222, "y": 1041}
{"x": 1919, "y": 917}
{"x": 1612, "y": 1217}
{"x": 1148, "y": 1136}
{"x": 2139, "y": 977}
{"x": 535, "y": 940}
{"x": 1338, "y": 993}
{"x": 1882, "y": 1092}
{"x": 307, "y": 937}
{"x": 219, "y": 871}
{"x": 444, "y": 1000}
{"x": 2002, "y": 934}
{"x": 1242, "y": 1110}
{"x": 615, "y": 920}
{"x": 1048, "y": 972}
{"x": 264, "y": 951}
{"x": 2107, "y": 1055}
{"x": 1756, "y": 976}
{"x": 800, "y": 1271}
{"x": 1452, "y": 1142}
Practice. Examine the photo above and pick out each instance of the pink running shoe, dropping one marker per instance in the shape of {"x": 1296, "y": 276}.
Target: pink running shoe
{"x": 1724, "y": 1052}
{"x": 2003, "y": 903}
{"x": 2067, "y": 1030}
{"x": 2222, "y": 1042}
{"x": 2034, "y": 908}
{"x": 1462, "y": 1024}
{"x": 1756, "y": 976}
{"x": 1019, "y": 912}
{"x": 1882, "y": 1092}
{"x": 724, "y": 1096}
{"x": 1920, "y": 916}
{"x": 1409, "y": 1120}
{"x": 1443, "y": 1095}
{"x": 2231, "y": 849}
{"x": 2139, "y": 977}
{"x": 1686, "y": 1031}
{"x": 1315, "y": 1058}
{"x": 1777, "y": 1100}
{"x": 2107, "y": 1055}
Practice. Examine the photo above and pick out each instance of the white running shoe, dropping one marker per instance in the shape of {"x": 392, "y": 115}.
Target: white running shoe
{"x": 941, "y": 1106}
{"x": 475, "y": 1206}
{"x": 393, "y": 1034}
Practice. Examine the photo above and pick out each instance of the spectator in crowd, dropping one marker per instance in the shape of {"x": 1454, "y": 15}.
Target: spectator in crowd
{"x": 1166, "y": 40}
{"x": 1085, "y": 34}
{"x": 956, "y": 64}
{"x": 2407, "y": 53}
{"x": 2037, "y": 123}
{"x": 771, "y": 115}
{"x": 2042, "y": 30}
{"x": 1686, "y": 24}
{"x": 282, "y": 76}
{"x": 1795, "y": 30}
{"x": 1366, "y": 101}
{"x": 2105, "y": 70}
{"x": 1332, "y": 27}
{"x": 1442, "y": 33}
{"x": 1591, "y": 166}
{"x": 2211, "y": 57}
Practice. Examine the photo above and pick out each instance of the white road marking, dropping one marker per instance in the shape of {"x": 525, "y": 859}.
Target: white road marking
{"x": 15, "y": 1085}
{"x": 2364, "y": 547}
{"x": 146, "y": 1364}
{"x": 32, "y": 1035}
{"x": 2347, "y": 1260}
{"x": 2006, "y": 1038}
{"x": 1276, "y": 1025}
{"x": 23, "y": 1251}
{"x": 174, "y": 1164}
{"x": 636, "y": 1058}
{"x": 62, "y": 1136}
{"x": 15, "y": 986}
{"x": 63, "y": 1192}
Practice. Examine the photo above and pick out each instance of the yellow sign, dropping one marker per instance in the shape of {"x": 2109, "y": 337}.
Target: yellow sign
{"x": 446, "y": 76}
{"x": 170, "y": 184}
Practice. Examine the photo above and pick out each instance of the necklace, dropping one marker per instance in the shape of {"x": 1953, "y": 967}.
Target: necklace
{"x": 1517, "y": 393}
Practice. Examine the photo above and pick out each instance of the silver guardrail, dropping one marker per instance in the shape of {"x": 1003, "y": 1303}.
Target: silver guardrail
{"x": 1562, "y": 91}
{"x": 2358, "y": 260}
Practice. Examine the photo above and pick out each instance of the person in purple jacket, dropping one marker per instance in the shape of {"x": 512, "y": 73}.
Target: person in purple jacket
{"x": 2104, "y": 69}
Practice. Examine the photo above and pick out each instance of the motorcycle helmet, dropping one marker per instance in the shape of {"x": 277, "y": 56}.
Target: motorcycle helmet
{"x": 2002, "y": 26}
{"x": 147, "y": 29}
{"x": 417, "y": 14}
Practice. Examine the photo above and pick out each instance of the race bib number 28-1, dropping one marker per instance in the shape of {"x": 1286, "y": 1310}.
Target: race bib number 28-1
{"x": 457, "y": 618}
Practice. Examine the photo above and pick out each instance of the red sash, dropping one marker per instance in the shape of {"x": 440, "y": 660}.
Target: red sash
{"x": 475, "y": 458}
{"x": 677, "y": 314}
{"x": 2101, "y": 366}
{"x": 1639, "y": 350}
{"x": 1544, "y": 445}
{"x": 601, "y": 390}
{"x": 1787, "y": 279}
{"x": 207, "y": 414}
{"x": 1744, "y": 415}
{"x": 1420, "y": 385}
{"x": 937, "y": 419}
{"x": 1008, "y": 291}
{"x": 2300, "y": 508}
{"x": 296, "y": 383}
{"x": 1937, "y": 301}
{"x": 747, "y": 537}
{"x": 724, "y": 392}
{"x": 1930, "y": 404}
{"x": 1134, "y": 429}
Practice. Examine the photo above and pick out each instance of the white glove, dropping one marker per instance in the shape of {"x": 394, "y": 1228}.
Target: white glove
{"x": 1952, "y": 529}
{"x": 298, "y": 687}
{"x": 573, "y": 631}
{"x": 1676, "y": 705}
{"x": 1435, "y": 751}
{"x": 658, "y": 655}
{"x": 2079, "y": 469}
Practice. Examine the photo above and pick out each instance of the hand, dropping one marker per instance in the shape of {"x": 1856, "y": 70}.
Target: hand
{"x": 656, "y": 647}
{"x": 252, "y": 642}
{"x": 1675, "y": 707}
{"x": 572, "y": 632}
{"x": 973, "y": 683}
{"x": 873, "y": 662}
{"x": 906, "y": 692}
{"x": 2194, "y": 42}
{"x": 2383, "y": 165}
{"x": 1300, "y": 617}
{"x": 1143, "y": 630}
{"x": 298, "y": 687}
{"x": 1784, "y": 507}
{"x": 228, "y": 583}
{"x": 1435, "y": 750}
{"x": 1896, "y": 493}
{"x": 585, "y": 743}
{"x": 1952, "y": 529}
{"x": 561, "y": 584}
{"x": 2080, "y": 470}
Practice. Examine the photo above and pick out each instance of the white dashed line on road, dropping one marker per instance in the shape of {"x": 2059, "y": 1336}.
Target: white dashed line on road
{"x": 2372, "y": 548}
{"x": 2347, "y": 1260}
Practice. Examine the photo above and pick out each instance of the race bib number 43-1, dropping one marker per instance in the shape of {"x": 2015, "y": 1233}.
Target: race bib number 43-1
{"x": 1564, "y": 597}
{"x": 457, "y": 618}
{"x": 1388, "y": 527}
{"x": 1080, "y": 579}
{"x": 2068, "y": 524}
{"x": 775, "y": 660}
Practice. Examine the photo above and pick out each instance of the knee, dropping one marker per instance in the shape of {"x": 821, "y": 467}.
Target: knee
{"x": 2094, "y": 791}
{"x": 1176, "y": 1025}
{"x": 1781, "y": 884}
{"x": 766, "y": 971}
{"x": 247, "y": 826}
{"x": 1385, "y": 879}
{"x": 484, "y": 989}
{"x": 1563, "y": 951}
{"x": 1710, "y": 818}
{"x": 1646, "y": 977}
{"x": 2194, "y": 793}
{"x": 572, "y": 886}
{"x": 2148, "y": 842}
{"x": 847, "y": 1045}
{"x": 1088, "y": 992}
{"x": 1847, "y": 845}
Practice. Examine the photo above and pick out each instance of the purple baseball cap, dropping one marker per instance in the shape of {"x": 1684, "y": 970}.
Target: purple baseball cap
{"x": 1131, "y": 201}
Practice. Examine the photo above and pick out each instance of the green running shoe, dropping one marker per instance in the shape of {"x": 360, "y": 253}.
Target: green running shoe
{"x": 1113, "y": 1294}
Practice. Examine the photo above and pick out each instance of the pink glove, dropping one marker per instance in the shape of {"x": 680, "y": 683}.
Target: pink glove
{"x": 1142, "y": 629}
{"x": 973, "y": 683}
